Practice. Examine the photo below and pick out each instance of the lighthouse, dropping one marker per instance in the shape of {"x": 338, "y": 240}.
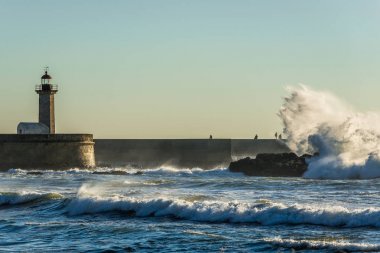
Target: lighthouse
{"x": 46, "y": 91}
{"x": 36, "y": 145}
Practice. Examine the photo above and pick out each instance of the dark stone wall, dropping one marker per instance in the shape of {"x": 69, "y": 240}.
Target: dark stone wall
{"x": 187, "y": 153}
{"x": 46, "y": 151}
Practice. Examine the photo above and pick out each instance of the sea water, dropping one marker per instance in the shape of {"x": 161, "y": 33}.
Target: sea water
{"x": 191, "y": 210}
{"x": 334, "y": 207}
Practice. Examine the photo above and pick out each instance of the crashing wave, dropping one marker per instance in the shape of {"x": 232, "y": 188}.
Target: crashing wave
{"x": 267, "y": 213}
{"x": 348, "y": 142}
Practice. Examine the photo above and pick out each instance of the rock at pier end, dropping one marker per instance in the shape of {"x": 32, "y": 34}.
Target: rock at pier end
{"x": 271, "y": 165}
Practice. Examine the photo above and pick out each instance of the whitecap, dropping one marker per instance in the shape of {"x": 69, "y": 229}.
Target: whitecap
{"x": 266, "y": 213}
{"x": 336, "y": 245}
{"x": 14, "y": 198}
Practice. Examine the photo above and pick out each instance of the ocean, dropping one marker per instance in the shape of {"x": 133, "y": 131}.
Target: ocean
{"x": 187, "y": 210}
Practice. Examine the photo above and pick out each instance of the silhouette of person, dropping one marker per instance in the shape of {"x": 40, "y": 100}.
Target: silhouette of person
{"x": 256, "y": 137}
{"x": 210, "y": 137}
{"x": 280, "y": 137}
{"x": 275, "y": 135}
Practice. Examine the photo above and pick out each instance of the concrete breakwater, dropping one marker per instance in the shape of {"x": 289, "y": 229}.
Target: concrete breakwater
{"x": 60, "y": 151}
{"x": 46, "y": 151}
{"x": 182, "y": 153}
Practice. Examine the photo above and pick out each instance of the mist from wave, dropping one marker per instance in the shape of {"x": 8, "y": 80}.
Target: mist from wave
{"x": 348, "y": 141}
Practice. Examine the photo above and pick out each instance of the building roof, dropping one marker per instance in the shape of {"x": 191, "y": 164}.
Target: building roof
{"x": 32, "y": 128}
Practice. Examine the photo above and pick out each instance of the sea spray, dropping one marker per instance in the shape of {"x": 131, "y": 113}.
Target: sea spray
{"x": 348, "y": 142}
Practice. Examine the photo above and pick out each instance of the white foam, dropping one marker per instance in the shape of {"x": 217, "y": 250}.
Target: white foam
{"x": 268, "y": 213}
{"x": 49, "y": 171}
{"x": 201, "y": 233}
{"x": 156, "y": 171}
{"x": 348, "y": 141}
{"x": 17, "y": 171}
{"x": 192, "y": 171}
{"x": 323, "y": 244}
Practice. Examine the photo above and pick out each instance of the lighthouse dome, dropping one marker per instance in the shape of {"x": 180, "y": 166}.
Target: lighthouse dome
{"x": 46, "y": 76}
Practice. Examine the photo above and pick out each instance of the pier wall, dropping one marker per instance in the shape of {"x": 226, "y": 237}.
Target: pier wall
{"x": 59, "y": 151}
{"x": 46, "y": 151}
{"x": 186, "y": 153}
{"x": 152, "y": 153}
{"x": 241, "y": 148}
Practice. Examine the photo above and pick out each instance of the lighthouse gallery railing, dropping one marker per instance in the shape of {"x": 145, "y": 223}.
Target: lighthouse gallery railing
{"x": 47, "y": 87}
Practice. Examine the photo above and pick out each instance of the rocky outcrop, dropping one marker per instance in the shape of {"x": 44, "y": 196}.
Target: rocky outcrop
{"x": 272, "y": 165}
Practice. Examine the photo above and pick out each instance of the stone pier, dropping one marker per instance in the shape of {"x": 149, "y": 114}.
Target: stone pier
{"x": 46, "y": 151}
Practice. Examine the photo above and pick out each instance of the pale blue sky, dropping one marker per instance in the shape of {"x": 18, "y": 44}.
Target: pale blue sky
{"x": 179, "y": 69}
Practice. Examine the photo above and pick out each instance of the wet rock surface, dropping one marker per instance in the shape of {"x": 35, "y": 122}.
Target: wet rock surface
{"x": 272, "y": 165}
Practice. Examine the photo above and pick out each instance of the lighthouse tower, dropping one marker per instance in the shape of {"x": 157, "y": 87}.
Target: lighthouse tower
{"x": 46, "y": 92}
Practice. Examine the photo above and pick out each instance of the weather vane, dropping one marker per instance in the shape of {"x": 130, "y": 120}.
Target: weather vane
{"x": 46, "y": 69}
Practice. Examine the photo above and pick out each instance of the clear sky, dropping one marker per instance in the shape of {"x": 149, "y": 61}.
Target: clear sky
{"x": 183, "y": 68}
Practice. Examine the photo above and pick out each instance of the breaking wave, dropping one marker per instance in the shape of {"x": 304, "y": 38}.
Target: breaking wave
{"x": 129, "y": 171}
{"x": 15, "y": 198}
{"x": 263, "y": 212}
{"x": 348, "y": 142}
{"x": 193, "y": 171}
{"x": 323, "y": 244}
